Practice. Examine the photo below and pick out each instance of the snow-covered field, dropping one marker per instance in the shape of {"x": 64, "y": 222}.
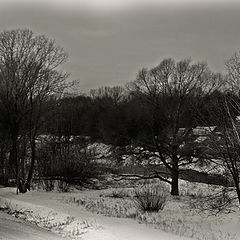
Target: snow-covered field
{"x": 12, "y": 228}
{"x": 111, "y": 214}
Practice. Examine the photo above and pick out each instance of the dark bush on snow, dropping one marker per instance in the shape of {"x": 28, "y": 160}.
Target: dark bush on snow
{"x": 151, "y": 197}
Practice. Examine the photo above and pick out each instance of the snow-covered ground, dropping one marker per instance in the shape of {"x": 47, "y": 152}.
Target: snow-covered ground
{"x": 80, "y": 214}
{"x": 44, "y": 205}
{"x": 12, "y": 228}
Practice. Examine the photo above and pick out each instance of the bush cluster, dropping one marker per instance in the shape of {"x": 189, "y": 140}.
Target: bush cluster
{"x": 151, "y": 198}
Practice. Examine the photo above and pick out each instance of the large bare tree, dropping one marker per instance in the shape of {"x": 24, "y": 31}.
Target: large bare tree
{"x": 171, "y": 91}
{"x": 223, "y": 149}
{"x": 29, "y": 75}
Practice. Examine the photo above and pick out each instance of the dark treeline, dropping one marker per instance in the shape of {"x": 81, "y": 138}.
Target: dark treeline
{"x": 101, "y": 117}
{"x": 123, "y": 122}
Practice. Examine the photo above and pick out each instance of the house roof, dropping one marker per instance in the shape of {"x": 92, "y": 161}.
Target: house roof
{"x": 203, "y": 130}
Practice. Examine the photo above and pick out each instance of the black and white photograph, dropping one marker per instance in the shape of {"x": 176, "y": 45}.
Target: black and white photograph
{"x": 119, "y": 119}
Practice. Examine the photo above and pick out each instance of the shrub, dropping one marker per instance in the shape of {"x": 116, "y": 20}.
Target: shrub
{"x": 48, "y": 185}
{"x": 221, "y": 200}
{"x": 69, "y": 161}
{"x": 150, "y": 198}
{"x": 63, "y": 186}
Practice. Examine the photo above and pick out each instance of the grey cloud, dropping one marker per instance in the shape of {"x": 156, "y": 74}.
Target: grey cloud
{"x": 108, "y": 49}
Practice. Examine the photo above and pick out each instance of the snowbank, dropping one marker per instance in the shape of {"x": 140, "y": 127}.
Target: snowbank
{"x": 61, "y": 223}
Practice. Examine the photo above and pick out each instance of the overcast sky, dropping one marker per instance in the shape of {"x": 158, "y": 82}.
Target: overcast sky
{"x": 109, "y": 41}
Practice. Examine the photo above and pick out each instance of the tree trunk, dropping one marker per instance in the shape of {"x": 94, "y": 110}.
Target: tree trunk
{"x": 5, "y": 167}
{"x": 33, "y": 156}
{"x": 238, "y": 194}
{"x": 23, "y": 157}
{"x": 237, "y": 188}
{"x": 175, "y": 176}
{"x": 13, "y": 158}
{"x": 174, "y": 185}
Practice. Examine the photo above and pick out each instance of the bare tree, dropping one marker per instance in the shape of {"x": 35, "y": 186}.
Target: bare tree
{"x": 223, "y": 149}
{"x": 171, "y": 91}
{"x": 29, "y": 75}
{"x": 115, "y": 93}
{"x": 228, "y": 147}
